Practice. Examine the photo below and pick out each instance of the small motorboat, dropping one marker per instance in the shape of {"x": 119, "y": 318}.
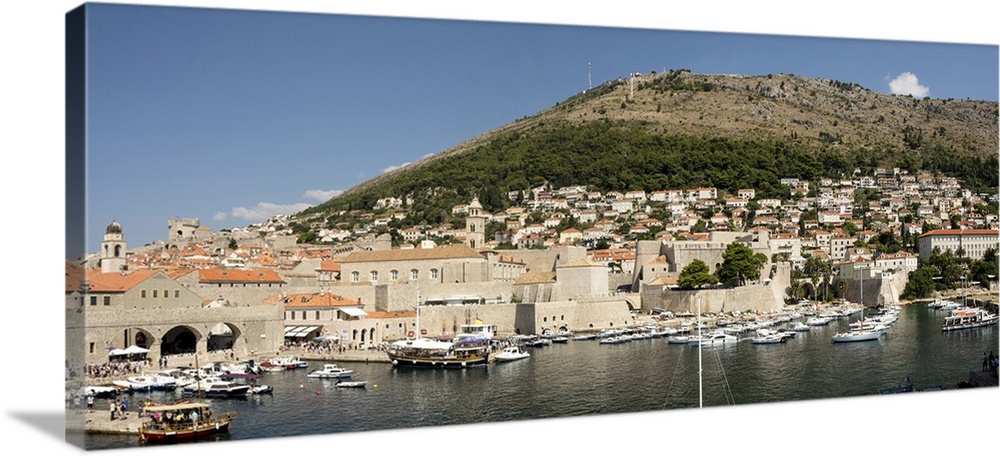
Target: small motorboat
{"x": 357, "y": 384}
{"x": 512, "y": 353}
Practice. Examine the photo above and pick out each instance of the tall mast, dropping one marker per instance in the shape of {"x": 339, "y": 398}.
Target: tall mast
{"x": 699, "y": 355}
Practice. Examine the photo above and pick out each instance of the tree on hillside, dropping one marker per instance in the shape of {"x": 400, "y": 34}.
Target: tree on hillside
{"x": 696, "y": 275}
{"x": 740, "y": 264}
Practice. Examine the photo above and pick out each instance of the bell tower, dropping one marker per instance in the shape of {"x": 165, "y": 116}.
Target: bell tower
{"x": 475, "y": 225}
{"x": 113, "y": 249}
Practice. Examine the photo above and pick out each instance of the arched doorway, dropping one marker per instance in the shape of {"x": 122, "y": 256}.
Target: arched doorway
{"x": 222, "y": 337}
{"x": 179, "y": 340}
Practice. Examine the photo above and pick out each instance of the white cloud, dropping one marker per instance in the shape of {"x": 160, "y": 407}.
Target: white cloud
{"x": 390, "y": 168}
{"x": 219, "y": 216}
{"x": 322, "y": 195}
{"x": 264, "y": 211}
{"x": 907, "y": 84}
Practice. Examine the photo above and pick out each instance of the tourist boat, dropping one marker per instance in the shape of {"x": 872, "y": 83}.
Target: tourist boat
{"x": 512, "y": 353}
{"x": 331, "y": 371}
{"x": 215, "y": 386}
{"x": 460, "y": 352}
{"x": 968, "y": 318}
{"x": 187, "y": 421}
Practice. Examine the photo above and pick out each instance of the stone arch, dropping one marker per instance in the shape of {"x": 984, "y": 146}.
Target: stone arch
{"x": 180, "y": 339}
{"x": 222, "y": 336}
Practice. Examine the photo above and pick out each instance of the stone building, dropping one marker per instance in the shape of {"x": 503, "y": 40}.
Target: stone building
{"x": 325, "y": 315}
{"x": 447, "y": 264}
{"x": 973, "y": 243}
{"x": 149, "y": 309}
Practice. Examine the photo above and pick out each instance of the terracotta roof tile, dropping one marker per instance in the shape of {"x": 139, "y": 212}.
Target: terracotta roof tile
{"x": 239, "y": 276}
{"x": 321, "y": 299}
{"x": 116, "y": 282}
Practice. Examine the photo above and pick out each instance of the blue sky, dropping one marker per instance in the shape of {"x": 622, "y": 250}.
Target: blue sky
{"x": 234, "y": 116}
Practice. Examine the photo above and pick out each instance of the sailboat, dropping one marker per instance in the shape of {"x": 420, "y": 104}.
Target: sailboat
{"x": 863, "y": 332}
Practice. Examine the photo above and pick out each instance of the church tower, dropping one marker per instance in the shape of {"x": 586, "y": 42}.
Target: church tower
{"x": 475, "y": 225}
{"x": 113, "y": 249}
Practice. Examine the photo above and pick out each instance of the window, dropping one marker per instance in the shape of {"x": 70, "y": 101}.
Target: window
{"x": 414, "y": 274}
{"x": 317, "y": 315}
{"x": 374, "y": 275}
{"x": 166, "y": 293}
{"x": 93, "y": 300}
{"x": 142, "y": 294}
{"x": 292, "y": 314}
{"x": 107, "y": 300}
{"x": 177, "y": 293}
{"x": 303, "y": 315}
{"x": 434, "y": 274}
{"x": 394, "y": 275}
{"x": 92, "y": 347}
{"x": 154, "y": 293}
{"x": 355, "y": 276}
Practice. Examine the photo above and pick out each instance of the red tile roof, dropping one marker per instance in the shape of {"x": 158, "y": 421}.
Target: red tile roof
{"x": 239, "y": 276}
{"x": 961, "y": 232}
{"x": 321, "y": 299}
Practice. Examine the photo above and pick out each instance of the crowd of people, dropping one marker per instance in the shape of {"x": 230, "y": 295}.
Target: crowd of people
{"x": 114, "y": 369}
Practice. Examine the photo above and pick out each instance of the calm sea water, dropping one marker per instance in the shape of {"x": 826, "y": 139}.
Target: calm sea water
{"x": 586, "y": 378}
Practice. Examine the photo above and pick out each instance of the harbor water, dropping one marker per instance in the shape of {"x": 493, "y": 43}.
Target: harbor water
{"x": 583, "y": 377}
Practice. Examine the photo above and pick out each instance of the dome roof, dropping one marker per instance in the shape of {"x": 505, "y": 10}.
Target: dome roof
{"x": 113, "y": 228}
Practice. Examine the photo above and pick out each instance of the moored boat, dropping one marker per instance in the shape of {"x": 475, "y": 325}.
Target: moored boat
{"x": 512, "y": 353}
{"x": 331, "y": 371}
{"x": 455, "y": 354}
{"x": 183, "y": 421}
{"x": 859, "y": 335}
{"x": 968, "y": 318}
{"x": 215, "y": 386}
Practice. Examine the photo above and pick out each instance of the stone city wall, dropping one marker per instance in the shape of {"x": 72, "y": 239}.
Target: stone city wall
{"x": 746, "y": 298}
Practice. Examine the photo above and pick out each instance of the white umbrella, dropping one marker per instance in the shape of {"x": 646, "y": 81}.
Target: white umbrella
{"x": 135, "y": 350}
{"x": 117, "y": 352}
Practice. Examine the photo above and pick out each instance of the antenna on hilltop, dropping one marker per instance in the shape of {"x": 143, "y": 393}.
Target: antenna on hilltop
{"x": 590, "y": 85}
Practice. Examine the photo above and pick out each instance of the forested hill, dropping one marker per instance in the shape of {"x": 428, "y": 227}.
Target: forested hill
{"x": 680, "y": 130}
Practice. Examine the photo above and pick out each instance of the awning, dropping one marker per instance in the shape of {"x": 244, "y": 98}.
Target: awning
{"x": 299, "y": 331}
{"x": 353, "y": 311}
